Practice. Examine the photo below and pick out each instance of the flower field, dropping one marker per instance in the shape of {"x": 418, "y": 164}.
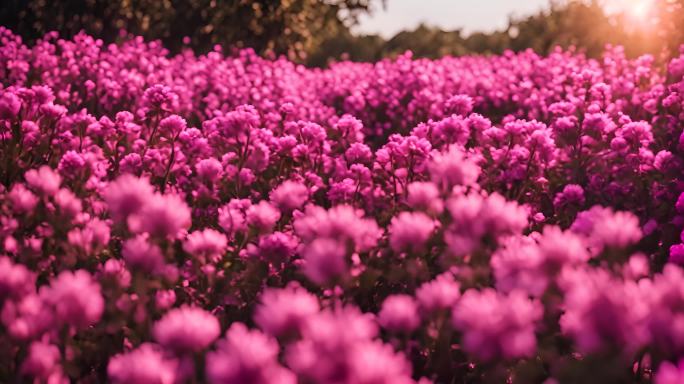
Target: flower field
{"x": 226, "y": 218}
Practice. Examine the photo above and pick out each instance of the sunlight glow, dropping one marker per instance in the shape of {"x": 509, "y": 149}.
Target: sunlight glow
{"x": 640, "y": 12}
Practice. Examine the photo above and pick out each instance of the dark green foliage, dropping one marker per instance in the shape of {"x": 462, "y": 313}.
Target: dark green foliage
{"x": 291, "y": 27}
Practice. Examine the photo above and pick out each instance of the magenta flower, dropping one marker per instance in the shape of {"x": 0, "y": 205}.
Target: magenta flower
{"x": 283, "y": 312}
{"x": 186, "y": 329}
{"x": 71, "y": 165}
{"x": 324, "y": 261}
{"x": 27, "y": 317}
{"x": 289, "y": 195}
{"x": 69, "y": 205}
{"x": 75, "y": 298}
{"x": 162, "y": 216}
{"x": 209, "y": 169}
{"x": 399, "y": 313}
{"x": 560, "y": 248}
{"x": 669, "y": 373}
{"x": 341, "y": 222}
{"x": 172, "y": 125}
{"x": 207, "y": 190}
{"x": 605, "y": 228}
{"x": 10, "y": 105}
{"x": 459, "y": 104}
{"x": 275, "y": 248}
{"x": 518, "y": 264}
{"x": 42, "y": 361}
{"x": 127, "y": 195}
{"x": 23, "y": 201}
{"x": 206, "y": 245}
{"x": 377, "y": 363}
{"x": 425, "y": 196}
{"x": 496, "y": 325}
{"x": 15, "y": 279}
{"x": 453, "y": 168}
{"x": 409, "y": 231}
{"x": 572, "y": 194}
{"x": 602, "y": 312}
{"x": 262, "y": 216}
{"x": 138, "y": 252}
{"x": 245, "y": 356}
{"x": 146, "y": 364}
{"x": 43, "y": 180}
{"x": 329, "y": 344}
{"x": 231, "y": 217}
{"x": 438, "y": 294}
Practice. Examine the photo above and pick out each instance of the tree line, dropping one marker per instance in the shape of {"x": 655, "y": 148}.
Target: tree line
{"x": 315, "y": 32}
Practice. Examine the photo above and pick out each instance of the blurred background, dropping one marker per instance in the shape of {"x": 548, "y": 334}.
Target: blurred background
{"x": 315, "y": 32}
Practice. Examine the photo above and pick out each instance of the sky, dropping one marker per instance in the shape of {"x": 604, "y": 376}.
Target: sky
{"x": 470, "y": 15}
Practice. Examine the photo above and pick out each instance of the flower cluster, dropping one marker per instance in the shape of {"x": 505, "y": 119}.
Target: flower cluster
{"x": 233, "y": 219}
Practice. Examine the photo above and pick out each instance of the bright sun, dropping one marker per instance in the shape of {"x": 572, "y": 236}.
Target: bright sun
{"x": 636, "y": 11}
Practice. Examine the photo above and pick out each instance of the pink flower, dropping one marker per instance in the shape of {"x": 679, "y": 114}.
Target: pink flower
{"x": 275, "y": 248}
{"x": 560, "y": 248}
{"x": 164, "y": 299}
{"x": 669, "y": 373}
{"x": 71, "y": 165}
{"x": 282, "y": 312}
{"x": 328, "y": 344}
{"x": 115, "y": 271}
{"x": 75, "y": 298}
{"x": 438, "y": 294}
{"x": 399, "y": 313}
{"x": 161, "y": 216}
{"x": 28, "y": 317}
{"x": 377, "y": 363}
{"x": 349, "y": 128}
{"x": 172, "y": 125}
{"x": 602, "y": 312}
{"x": 160, "y": 96}
{"x": 127, "y": 195}
{"x": 495, "y": 325}
{"x": 572, "y": 194}
{"x": 42, "y": 361}
{"x": 677, "y": 254}
{"x": 186, "y": 329}
{"x": 69, "y": 205}
{"x": 245, "y": 356}
{"x": 43, "y": 180}
{"x": 144, "y": 365}
{"x": 23, "y": 201}
{"x": 459, "y": 104}
{"x": 342, "y": 223}
{"x": 289, "y": 195}
{"x": 93, "y": 236}
{"x": 15, "y": 279}
{"x": 453, "y": 168}
{"x": 209, "y": 169}
{"x": 10, "y": 105}
{"x": 324, "y": 260}
{"x": 664, "y": 318}
{"x": 263, "y": 216}
{"x": 475, "y": 216}
{"x": 231, "y": 217}
{"x": 409, "y": 231}
{"x": 605, "y": 228}
{"x": 207, "y": 244}
{"x": 138, "y": 252}
{"x": 425, "y": 196}
{"x": 518, "y": 265}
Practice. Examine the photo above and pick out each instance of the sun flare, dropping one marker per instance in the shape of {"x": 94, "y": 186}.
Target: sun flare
{"x": 639, "y": 12}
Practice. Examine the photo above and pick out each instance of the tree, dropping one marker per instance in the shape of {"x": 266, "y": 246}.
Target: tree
{"x": 291, "y": 27}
